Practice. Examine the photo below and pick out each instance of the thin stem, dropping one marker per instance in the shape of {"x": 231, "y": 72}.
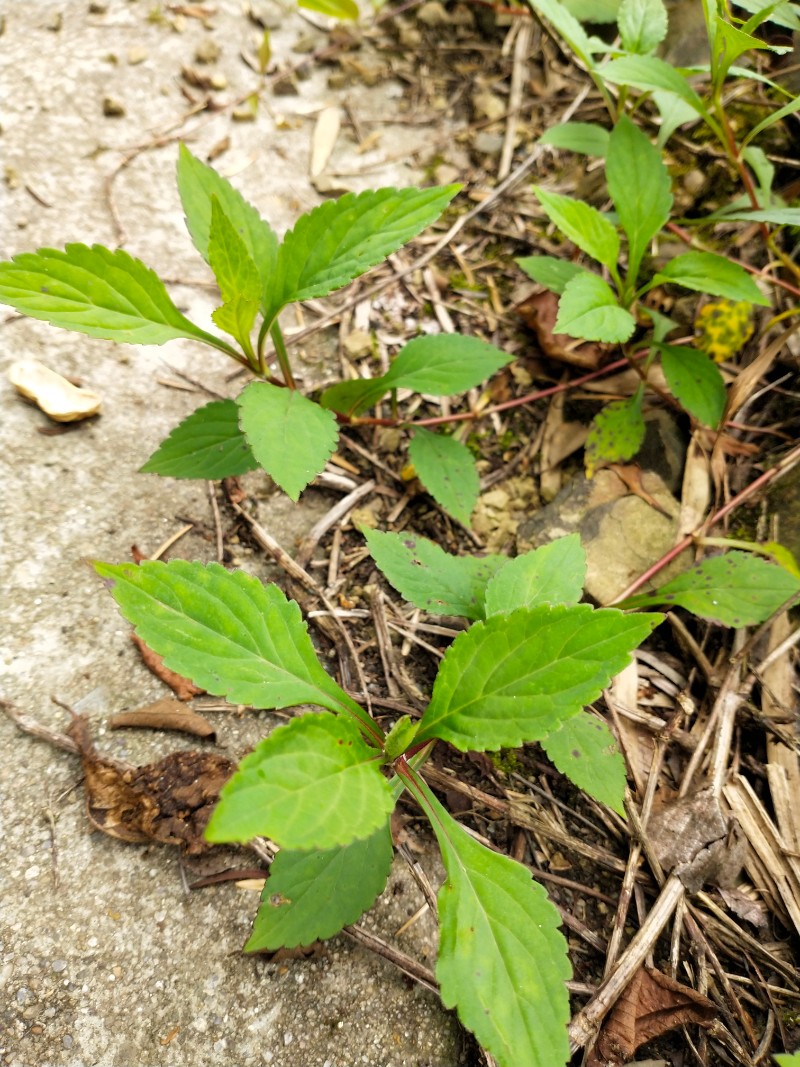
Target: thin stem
{"x": 283, "y": 356}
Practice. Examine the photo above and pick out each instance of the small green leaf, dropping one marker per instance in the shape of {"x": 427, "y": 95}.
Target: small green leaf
{"x": 729, "y": 43}
{"x": 399, "y": 737}
{"x": 229, "y": 633}
{"x": 198, "y": 184}
{"x": 583, "y": 748}
{"x": 674, "y": 112}
{"x": 96, "y": 292}
{"x": 778, "y": 216}
{"x": 431, "y": 578}
{"x": 737, "y": 589}
{"x": 695, "y": 381}
{"x": 570, "y": 29}
{"x": 787, "y": 1059}
{"x": 781, "y": 14}
{"x": 341, "y": 239}
{"x": 235, "y": 271}
{"x": 236, "y": 318}
{"x": 552, "y": 273}
{"x": 517, "y": 677}
{"x": 640, "y": 186}
{"x": 310, "y": 896}
{"x": 551, "y": 574}
{"x": 649, "y": 72}
{"x": 447, "y": 470}
{"x": 586, "y": 138}
{"x": 616, "y": 433}
{"x": 642, "y": 25}
{"x": 354, "y": 397}
{"x": 588, "y": 310}
{"x": 443, "y": 364}
{"x": 707, "y": 273}
{"x": 207, "y": 444}
{"x": 502, "y": 960}
{"x": 583, "y": 224}
{"x": 291, "y": 437}
{"x": 336, "y": 9}
{"x": 314, "y": 783}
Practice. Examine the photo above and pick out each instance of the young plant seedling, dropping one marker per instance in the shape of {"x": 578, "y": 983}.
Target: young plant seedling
{"x": 324, "y": 786}
{"x": 111, "y": 295}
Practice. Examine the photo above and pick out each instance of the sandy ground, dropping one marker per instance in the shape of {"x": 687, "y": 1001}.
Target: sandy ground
{"x": 105, "y": 956}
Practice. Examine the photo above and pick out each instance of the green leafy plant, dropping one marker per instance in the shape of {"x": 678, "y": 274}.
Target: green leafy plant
{"x": 788, "y": 1059}
{"x": 111, "y": 295}
{"x": 323, "y": 787}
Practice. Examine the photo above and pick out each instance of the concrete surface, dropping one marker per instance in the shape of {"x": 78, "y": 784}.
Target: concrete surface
{"x": 105, "y": 957}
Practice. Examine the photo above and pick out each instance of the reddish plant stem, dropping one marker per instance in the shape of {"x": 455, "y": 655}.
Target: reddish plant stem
{"x": 788, "y": 461}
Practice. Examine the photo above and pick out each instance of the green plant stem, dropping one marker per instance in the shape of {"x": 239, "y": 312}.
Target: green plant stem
{"x": 283, "y": 356}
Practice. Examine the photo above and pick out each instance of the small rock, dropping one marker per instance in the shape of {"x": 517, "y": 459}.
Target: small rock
{"x": 433, "y": 13}
{"x": 136, "y": 55}
{"x": 488, "y": 144}
{"x": 113, "y": 108}
{"x": 208, "y": 51}
{"x": 358, "y": 343}
{"x": 59, "y": 399}
{"x": 98, "y": 7}
{"x": 55, "y": 22}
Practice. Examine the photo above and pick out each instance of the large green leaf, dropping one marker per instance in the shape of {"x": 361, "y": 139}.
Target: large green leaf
{"x": 310, "y": 896}
{"x": 737, "y": 589}
{"x": 583, "y": 748}
{"x": 640, "y": 186}
{"x": 431, "y": 578}
{"x": 503, "y": 962}
{"x": 551, "y": 574}
{"x": 616, "y": 433}
{"x": 227, "y": 632}
{"x": 291, "y": 437}
{"x": 198, "y": 184}
{"x": 314, "y": 783}
{"x": 588, "y": 309}
{"x": 341, "y": 239}
{"x": 97, "y": 292}
{"x": 708, "y": 273}
{"x": 642, "y": 25}
{"x": 207, "y": 444}
{"x": 517, "y": 677}
{"x": 695, "y": 381}
{"x": 552, "y": 273}
{"x": 649, "y": 72}
{"x": 583, "y": 224}
{"x": 439, "y": 365}
{"x": 447, "y": 470}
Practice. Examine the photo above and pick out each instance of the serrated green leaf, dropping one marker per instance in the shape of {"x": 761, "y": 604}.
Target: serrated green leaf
{"x": 447, "y": 470}
{"x": 207, "y": 444}
{"x": 551, "y": 574}
{"x": 642, "y": 25}
{"x": 588, "y": 310}
{"x": 431, "y": 578}
{"x": 314, "y": 783}
{"x": 552, "y": 273}
{"x": 583, "y": 224}
{"x": 586, "y": 138}
{"x": 616, "y": 433}
{"x": 649, "y": 72}
{"x": 291, "y": 437}
{"x": 229, "y": 633}
{"x": 695, "y": 381}
{"x": 197, "y": 185}
{"x": 236, "y": 318}
{"x": 517, "y": 677}
{"x": 336, "y": 9}
{"x": 502, "y": 960}
{"x": 444, "y": 363}
{"x": 96, "y": 292}
{"x": 583, "y": 748}
{"x": 737, "y": 589}
{"x": 640, "y": 186}
{"x": 310, "y": 896}
{"x": 235, "y": 271}
{"x": 341, "y": 239}
{"x": 705, "y": 272}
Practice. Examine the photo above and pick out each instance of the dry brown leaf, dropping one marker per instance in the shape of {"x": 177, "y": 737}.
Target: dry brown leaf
{"x": 651, "y": 1005}
{"x": 165, "y": 714}
{"x": 696, "y": 489}
{"x": 323, "y": 140}
{"x": 169, "y": 801}
{"x": 696, "y": 840}
{"x": 631, "y": 475}
{"x": 539, "y": 313}
{"x": 182, "y": 687}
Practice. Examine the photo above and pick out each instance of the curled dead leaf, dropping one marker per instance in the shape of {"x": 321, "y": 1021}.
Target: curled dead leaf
{"x": 166, "y": 714}
{"x": 182, "y": 687}
{"x": 539, "y": 313}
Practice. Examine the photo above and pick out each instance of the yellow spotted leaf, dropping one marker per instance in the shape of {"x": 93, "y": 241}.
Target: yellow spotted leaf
{"x": 722, "y": 327}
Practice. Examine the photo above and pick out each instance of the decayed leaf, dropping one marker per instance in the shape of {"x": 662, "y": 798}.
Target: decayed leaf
{"x": 723, "y": 327}
{"x": 696, "y": 490}
{"x": 651, "y": 1005}
{"x": 182, "y": 687}
{"x": 695, "y": 839}
{"x": 58, "y": 398}
{"x": 166, "y": 714}
{"x": 539, "y": 313}
{"x": 169, "y": 801}
{"x": 326, "y": 131}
